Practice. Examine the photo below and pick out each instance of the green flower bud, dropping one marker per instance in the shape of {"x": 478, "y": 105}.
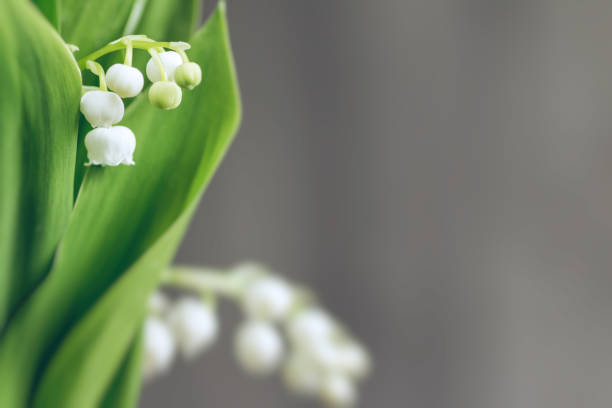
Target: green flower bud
{"x": 165, "y": 95}
{"x": 188, "y": 75}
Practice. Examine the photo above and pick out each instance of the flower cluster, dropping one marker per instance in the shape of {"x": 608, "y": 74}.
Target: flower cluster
{"x": 187, "y": 326}
{"x": 168, "y": 70}
{"x": 316, "y": 356}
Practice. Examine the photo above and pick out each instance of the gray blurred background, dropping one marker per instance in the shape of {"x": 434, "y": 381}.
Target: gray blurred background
{"x": 439, "y": 172}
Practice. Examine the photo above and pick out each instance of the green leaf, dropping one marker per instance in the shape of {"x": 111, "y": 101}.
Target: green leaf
{"x": 125, "y": 388}
{"x": 101, "y": 339}
{"x": 50, "y": 9}
{"x": 169, "y": 20}
{"x": 126, "y": 225}
{"x": 91, "y": 24}
{"x": 39, "y": 101}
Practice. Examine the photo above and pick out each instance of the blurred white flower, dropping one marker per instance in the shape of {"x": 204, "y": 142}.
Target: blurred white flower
{"x": 322, "y": 352}
{"x": 353, "y": 360}
{"x": 258, "y": 347}
{"x": 194, "y": 325}
{"x": 300, "y": 375}
{"x": 159, "y": 348}
{"x": 102, "y": 108}
{"x": 126, "y": 81}
{"x": 268, "y": 298}
{"x": 309, "y": 326}
{"x": 110, "y": 146}
{"x": 338, "y": 391}
{"x": 343, "y": 358}
{"x": 170, "y": 60}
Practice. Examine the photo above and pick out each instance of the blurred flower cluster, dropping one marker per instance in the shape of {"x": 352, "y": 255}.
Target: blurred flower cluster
{"x": 284, "y": 330}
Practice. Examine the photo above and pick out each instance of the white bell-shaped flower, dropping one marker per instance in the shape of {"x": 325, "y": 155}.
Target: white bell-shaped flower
{"x": 110, "y": 146}
{"x": 353, "y": 360}
{"x": 309, "y": 326}
{"x": 170, "y": 60}
{"x": 165, "y": 95}
{"x": 194, "y": 325}
{"x": 102, "y": 108}
{"x": 124, "y": 80}
{"x": 300, "y": 375}
{"x": 258, "y": 347}
{"x": 159, "y": 348}
{"x": 188, "y": 75}
{"x": 338, "y": 391}
{"x": 323, "y": 353}
{"x": 268, "y": 298}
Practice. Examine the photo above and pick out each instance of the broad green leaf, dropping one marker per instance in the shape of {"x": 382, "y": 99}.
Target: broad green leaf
{"x": 91, "y": 24}
{"x": 10, "y": 174}
{"x": 50, "y": 9}
{"x": 125, "y": 388}
{"x": 90, "y": 355}
{"x": 169, "y": 20}
{"x": 39, "y": 100}
{"x": 126, "y": 225}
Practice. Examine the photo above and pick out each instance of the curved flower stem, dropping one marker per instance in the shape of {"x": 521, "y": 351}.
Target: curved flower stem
{"x": 183, "y": 55}
{"x": 204, "y": 280}
{"x": 99, "y": 71}
{"x": 137, "y": 41}
{"x": 128, "y": 53}
{"x": 162, "y": 70}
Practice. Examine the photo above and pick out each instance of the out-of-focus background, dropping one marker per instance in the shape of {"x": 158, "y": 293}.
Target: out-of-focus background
{"x": 439, "y": 172}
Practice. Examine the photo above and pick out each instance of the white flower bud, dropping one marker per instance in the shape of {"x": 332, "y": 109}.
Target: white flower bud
{"x": 102, "y": 108}
{"x": 309, "y": 326}
{"x": 194, "y": 325}
{"x": 338, "y": 391}
{"x": 126, "y": 81}
{"x": 170, "y": 60}
{"x": 300, "y": 375}
{"x": 258, "y": 347}
{"x": 353, "y": 360}
{"x": 110, "y": 146}
{"x": 158, "y": 348}
{"x": 268, "y": 298}
{"x": 188, "y": 75}
{"x": 158, "y": 303}
{"x": 165, "y": 95}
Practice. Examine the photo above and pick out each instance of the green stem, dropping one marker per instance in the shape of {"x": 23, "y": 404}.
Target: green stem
{"x": 119, "y": 45}
{"x": 159, "y": 63}
{"x": 203, "y": 280}
{"x": 183, "y": 55}
{"x": 128, "y": 53}
{"x": 99, "y": 71}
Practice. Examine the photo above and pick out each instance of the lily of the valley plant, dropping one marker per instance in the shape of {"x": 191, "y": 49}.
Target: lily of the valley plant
{"x": 101, "y": 169}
